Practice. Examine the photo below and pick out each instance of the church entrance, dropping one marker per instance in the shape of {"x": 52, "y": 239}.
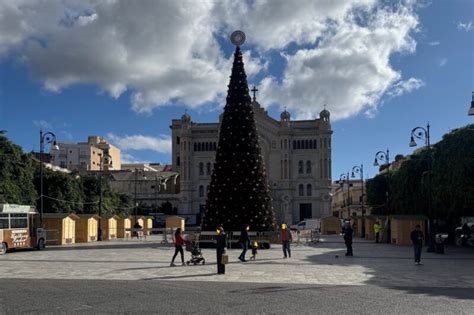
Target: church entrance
{"x": 306, "y": 211}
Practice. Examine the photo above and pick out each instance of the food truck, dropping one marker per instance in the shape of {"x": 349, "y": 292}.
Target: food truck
{"x": 20, "y": 228}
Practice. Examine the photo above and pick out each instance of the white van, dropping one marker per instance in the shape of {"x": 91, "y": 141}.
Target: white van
{"x": 307, "y": 224}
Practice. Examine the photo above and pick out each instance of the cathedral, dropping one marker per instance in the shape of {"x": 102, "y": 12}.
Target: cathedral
{"x": 297, "y": 156}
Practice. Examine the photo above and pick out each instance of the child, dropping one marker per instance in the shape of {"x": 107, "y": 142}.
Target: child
{"x": 254, "y": 250}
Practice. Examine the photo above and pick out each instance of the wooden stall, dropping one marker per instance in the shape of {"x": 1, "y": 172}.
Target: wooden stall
{"x": 108, "y": 224}
{"x": 369, "y": 226}
{"x": 86, "y": 228}
{"x": 330, "y": 225}
{"x": 62, "y": 225}
{"x": 123, "y": 227}
{"x": 175, "y": 222}
{"x": 402, "y": 225}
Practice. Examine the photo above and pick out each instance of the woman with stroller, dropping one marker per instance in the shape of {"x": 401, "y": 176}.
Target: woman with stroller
{"x": 178, "y": 245}
{"x": 221, "y": 245}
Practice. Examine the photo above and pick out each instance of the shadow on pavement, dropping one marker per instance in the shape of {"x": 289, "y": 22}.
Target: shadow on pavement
{"x": 393, "y": 267}
{"x": 181, "y": 277}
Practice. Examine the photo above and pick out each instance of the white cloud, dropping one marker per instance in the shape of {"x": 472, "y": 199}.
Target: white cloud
{"x": 42, "y": 124}
{"x": 443, "y": 62}
{"x": 407, "y": 86}
{"x": 127, "y": 158}
{"x": 350, "y": 70}
{"x": 168, "y": 52}
{"x": 465, "y": 26}
{"x": 434, "y": 43}
{"x": 161, "y": 144}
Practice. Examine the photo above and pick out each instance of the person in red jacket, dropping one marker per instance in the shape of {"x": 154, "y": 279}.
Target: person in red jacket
{"x": 178, "y": 245}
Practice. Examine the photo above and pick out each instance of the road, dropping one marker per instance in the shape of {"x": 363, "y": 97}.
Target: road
{"x": 201, "y": 297}
{"x": 131, "y": 276}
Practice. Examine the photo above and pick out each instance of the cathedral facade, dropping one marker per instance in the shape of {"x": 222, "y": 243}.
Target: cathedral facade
{"x": 297, "y": 156}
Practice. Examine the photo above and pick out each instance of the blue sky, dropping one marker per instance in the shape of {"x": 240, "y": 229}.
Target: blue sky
{"x": 408, "y": 63}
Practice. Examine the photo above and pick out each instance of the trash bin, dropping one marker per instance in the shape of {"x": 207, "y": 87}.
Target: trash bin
{"x": 439, "y": 243}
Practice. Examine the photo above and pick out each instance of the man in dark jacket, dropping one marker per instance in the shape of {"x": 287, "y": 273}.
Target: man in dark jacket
{"x": 416, "y": 237}
{"x": 244, "y": 242}
{"x": 348, "y": 233}
{"x": 221, "y": 245}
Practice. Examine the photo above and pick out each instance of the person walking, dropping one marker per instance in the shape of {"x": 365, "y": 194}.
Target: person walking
{"x": 286, "y": 240}
{"x": 348, "y": 234}
{"x": 244, "y": 242}
{"x": 221, "y": 246}
{"x": 178, "y": 245}
{"x": 417, "y": 238}
{"x": 377, "y": 230}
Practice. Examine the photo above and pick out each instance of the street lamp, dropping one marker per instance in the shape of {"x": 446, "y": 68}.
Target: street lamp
{"x": 360, "y": 170}
{"x": 345, "y": 178}
{"x": 424, "y": 134}
{"x": 141, "y": 172}
{"x": 471, "y": 110}
{"x": 49, "y": 138}
{"x": 107, "y": 159}
{"x": 382, "y": 156}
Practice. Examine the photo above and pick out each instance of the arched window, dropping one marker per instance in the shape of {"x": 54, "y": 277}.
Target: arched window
{"x": 325, "y": 143}
{"x": 214, "y": 145}
{"x": 308, "y": 167}
{"x": 315, "y": 144}
{"x": 178, "y": 161}
{"x": 201, "y": 191}
{"x": 294, "y": 144}
{"x": 301, "y": 190}
{"x": 208, "y": 168}
{"x": 286, "y": 143}
{"x": 199, "y": 146}
{"x": 300, "y": 167}
{"x": 207, "y": 146}
{"x": 195, "y": 146}
{"x": 309, "y": 190}
{"x": 310, "y": 144}
{"x": 201, "y": 168}
{"x": 306, "y": 144}
{"x": 298, "y": 144}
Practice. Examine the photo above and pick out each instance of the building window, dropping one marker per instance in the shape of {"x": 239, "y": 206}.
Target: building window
{"x": 286, "y": 143}
{"x": 201, "y": 191}
{"x": 325, "y": 143}
{"x": 195, "y": 146}
{"x": 214, "y": 145}
{"x": 301, "y": 190}
{"x": 298, "y": 144}
{"x": 208, "y": 168}
{"x": 294, "y": 144}
{"x": 308, "y": 167}
{"x": 274, "y": 144}
{"x": 177, "y": 140}
{"x": 201, "y": 168}
{"x": 300, "y": 167}
{"x": 306, "y": 144}
{"x": 315, "y": 144}
{"x": 62, "y": 164}
{"x": 178, "y": 161}
{"x": 309, "y": 190}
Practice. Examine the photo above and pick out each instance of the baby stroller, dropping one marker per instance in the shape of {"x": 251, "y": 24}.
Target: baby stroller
{"x": 196, "y": 255}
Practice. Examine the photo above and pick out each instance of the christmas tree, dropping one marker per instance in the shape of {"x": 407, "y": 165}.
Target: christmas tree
{"x": 239, "y": 193}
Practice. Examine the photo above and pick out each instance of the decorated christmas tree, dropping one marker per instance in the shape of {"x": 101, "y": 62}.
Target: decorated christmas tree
{"x": 239, "y": 193}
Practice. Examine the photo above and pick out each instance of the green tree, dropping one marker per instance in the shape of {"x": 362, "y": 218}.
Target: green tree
{"x": 239, "y": 192}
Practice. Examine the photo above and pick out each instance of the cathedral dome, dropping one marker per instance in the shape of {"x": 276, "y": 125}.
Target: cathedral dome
{"x": 186, "y": 118}
{"x": 285, "y": 115}
{"x": 324, "y": 114}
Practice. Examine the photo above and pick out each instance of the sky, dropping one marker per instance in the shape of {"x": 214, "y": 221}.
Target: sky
{"x": 125, "y": 69}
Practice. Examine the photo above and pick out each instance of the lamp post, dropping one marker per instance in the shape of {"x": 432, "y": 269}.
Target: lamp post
{"x": 384, "y": 156}
{"x": 344, "y": 177}
{"x": 137, "y": 171}
{"x": 105, "y": 158}
{"x": 424, "y": 134}
{"x": 49, "y": 138}
{"x": 360, "y": 170}
{"x": 471, "y": 110}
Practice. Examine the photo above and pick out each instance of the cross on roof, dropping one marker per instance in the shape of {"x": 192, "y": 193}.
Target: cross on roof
{"x": 254, "y": 90}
